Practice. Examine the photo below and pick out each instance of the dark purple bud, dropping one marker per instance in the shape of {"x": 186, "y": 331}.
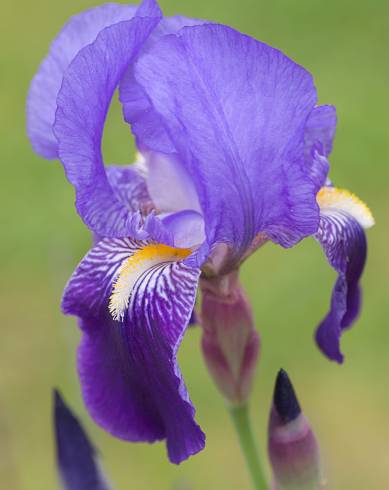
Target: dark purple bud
{"x": 230, "y": 343}
{"x": 285, "y": 400}
{"x": 293, "y": 449}
{"x": 77, "y": 461}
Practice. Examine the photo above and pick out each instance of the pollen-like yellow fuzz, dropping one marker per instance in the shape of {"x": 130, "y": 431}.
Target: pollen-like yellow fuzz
{"x": 133, "y": 267}
{"x": 331, "y": 198}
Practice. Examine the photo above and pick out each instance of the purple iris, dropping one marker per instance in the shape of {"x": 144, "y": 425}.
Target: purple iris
{"x": 233, "y": 153}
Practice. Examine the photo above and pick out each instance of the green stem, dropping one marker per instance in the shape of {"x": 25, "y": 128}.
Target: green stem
{"x": 241, "y": 420}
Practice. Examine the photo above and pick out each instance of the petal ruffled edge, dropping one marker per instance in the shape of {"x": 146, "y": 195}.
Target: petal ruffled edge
{"x": 82, "y": 105}
{"x": 137, "y": 109}
{"x": 78, "y": 32}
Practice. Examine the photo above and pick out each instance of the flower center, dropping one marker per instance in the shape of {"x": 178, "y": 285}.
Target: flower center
{"x": 134, "y": 267}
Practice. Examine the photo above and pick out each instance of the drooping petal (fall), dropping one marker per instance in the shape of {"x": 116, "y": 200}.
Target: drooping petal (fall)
{"x": 341, "y": 235}
{"x": 135, "y": 301}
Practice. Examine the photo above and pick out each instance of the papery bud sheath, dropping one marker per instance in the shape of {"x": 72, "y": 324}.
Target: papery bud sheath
{"x": 230, "y": 343}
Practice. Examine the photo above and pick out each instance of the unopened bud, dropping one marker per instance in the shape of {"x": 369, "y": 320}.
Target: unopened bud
{"x": 230, "y": 343}
{"x": 77, "y": 460}
{"x": 293, "y": 450}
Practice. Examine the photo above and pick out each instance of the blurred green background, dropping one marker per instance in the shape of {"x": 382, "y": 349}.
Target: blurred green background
{"x": 345, "y": 45}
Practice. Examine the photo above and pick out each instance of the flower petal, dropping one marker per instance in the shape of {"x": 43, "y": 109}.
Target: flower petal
{"x": 320, "y": 128}
{"x": 80, "y": 31}
{"x": 186, "y": 228}
{"x": 129, "y": 186}
{"x": 137, "y": 109}
{"x": 90, "y": 286}
{"x": 235, "y": 110}
{"x": 130, "y": 379}
{"x": 319, "y": 136}
{"x": 171, "y": 188}
{"x": 342, "y": 237}
{"x": 83, "y": 101}
{"x": 77, "y": 461}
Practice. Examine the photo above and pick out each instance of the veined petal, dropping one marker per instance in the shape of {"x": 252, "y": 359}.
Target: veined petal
{"x": 341, "y": 235}
{"x": 235, "y": 110}
{"x": 132, "y": 270}
{"x": 80, "y": 31}
{"x": 83, "y": 101}
{"x": 334, "y": 199}
{"x": 320, "y": 129}
{"x": 137, "y": 109}
{"x": 90, "y": 286}
{"x": 129, "y": 186}
{"x": 130, "y": 379}
{"x": 77, "y": 460}
{"x": 319, "y": 135}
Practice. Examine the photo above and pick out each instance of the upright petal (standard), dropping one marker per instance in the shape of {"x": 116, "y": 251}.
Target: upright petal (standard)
{"x": 78, "y": 32}
{"x": 83, "y": 101}
{"x": 242, "y": 105}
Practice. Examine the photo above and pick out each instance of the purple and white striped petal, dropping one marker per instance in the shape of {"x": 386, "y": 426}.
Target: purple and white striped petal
{"x": 134, "y": 301}
{"x": 341, "y": 235}
{"x": 129, "y": 187}
{"x": 90, "y": 286}
{"x": 79, "y": 31}
{"x": 83, "y": 102}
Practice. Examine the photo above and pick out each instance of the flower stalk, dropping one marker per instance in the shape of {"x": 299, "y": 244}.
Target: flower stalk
{"x": 241, "y": 420}
{"x": 230, "y": 347}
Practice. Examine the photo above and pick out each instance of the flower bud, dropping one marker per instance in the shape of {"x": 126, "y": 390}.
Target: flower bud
{"x": 77, "y": 460}
{"x": 293, "y": 450}
{"x": 230, "y": 343}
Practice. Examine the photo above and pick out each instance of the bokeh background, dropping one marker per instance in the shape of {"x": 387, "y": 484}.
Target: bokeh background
{"x": 345, "y": 45}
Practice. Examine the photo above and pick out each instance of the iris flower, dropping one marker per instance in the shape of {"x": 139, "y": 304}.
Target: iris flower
{"x": 233, "y": 153}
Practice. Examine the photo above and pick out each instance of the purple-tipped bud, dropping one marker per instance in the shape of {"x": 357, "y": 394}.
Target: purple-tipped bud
{"x": 293, "y": 450}
{"x": 230, "y": 343}
{"x": 77, "y": 460}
